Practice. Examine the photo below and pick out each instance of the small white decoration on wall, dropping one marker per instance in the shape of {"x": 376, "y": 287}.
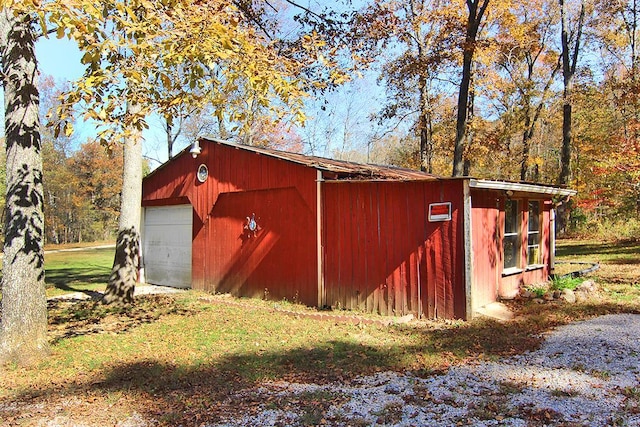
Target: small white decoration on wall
{"x": 203, "y": 173}
{"x": 252, "y": 227}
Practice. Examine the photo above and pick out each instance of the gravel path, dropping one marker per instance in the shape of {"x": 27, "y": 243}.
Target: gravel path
{"x": 584, "y": 374}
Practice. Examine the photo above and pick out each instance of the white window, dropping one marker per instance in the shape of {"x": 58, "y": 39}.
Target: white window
{"x": 533, "y": 234}
{"x": 511, "y": 241}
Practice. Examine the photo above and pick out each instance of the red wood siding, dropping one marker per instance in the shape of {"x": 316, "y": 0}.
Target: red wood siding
{"x": 280, "y": 260}
{"x": 488, "y": 261}
{"x": 510, "y": 285}
{"x": 381, "y": 254}
{"x": 487, "y": 255}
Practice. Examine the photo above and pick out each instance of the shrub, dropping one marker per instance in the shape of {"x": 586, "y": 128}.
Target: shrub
{"x": 538, "y": 289}
{"x": 561, "y": 283}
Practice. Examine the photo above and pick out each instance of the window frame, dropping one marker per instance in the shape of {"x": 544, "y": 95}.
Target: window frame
{"x": 514, "y": 233}
{"x": 538, "y": 233}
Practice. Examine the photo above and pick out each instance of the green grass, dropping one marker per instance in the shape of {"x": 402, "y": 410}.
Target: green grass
{"x": 619, "y": 272}
{"x": 83, "y": 270}
{"x": 179, "y": 358}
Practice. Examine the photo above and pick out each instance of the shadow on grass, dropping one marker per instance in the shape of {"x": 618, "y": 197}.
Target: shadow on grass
{"x": 203, "y": 393}
{"x": 78, "y": 279}
{"x": 179, "y": 394}
{"x": 60, "y": 277}
{"x": 623, "y": 261}
{"x": 578, "y": 248}
{"x": 73, "y": 318}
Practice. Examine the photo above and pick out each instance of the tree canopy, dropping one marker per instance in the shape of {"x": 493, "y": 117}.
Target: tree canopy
{"x": 511, "y": 127}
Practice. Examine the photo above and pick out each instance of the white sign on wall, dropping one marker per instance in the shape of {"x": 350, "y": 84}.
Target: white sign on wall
{"x": 440, "y": 212}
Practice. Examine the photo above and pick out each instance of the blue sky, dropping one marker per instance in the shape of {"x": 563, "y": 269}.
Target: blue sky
{"x": 60, "y": 58}
{"x": 349, "y": 107}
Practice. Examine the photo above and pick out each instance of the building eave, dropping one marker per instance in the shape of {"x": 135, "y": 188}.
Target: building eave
{"x": 520, "y": 187}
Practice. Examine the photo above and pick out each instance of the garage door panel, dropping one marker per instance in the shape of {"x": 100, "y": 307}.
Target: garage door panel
{"x": 167, "y": 245}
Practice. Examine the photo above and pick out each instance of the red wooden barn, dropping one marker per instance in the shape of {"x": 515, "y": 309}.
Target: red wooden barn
{"x": 262, "y": 223}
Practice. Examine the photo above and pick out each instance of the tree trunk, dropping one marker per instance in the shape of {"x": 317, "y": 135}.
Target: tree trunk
{"x": 526, "y": 139}
{"x": 124, "y": 273}
{"x": 424, "y": 119}
{"x": 170, "y": 140}
{"x": 565, "y": 153}
{"x": 473, "y": 24}
{"x": 569, "y": 62}
{"x": 171, "y": 137}
{"x": 23, "y": 331}
{"x": 424, "y": 125}
{"x": 463, "y": 107}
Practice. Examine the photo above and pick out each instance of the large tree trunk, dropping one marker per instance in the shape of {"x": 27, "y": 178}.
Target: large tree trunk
{"x": 463, "y": 108}
{"x": 425, "y": 117}
{"x": 23, "y": 331}
{"x": 565, "y": 152}
{"x": 424, "y": 125}
{"x": 124, "y": 273}
{"x": 527, "y": 134}
{"x": 569, "y": 63}
{"x": 476, "y": 11}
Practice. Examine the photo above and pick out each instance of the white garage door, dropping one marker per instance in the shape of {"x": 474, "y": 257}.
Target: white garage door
{"x": 166, "y": 248}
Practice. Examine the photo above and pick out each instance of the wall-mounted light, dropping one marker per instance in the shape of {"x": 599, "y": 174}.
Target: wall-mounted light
{"x": 509, "y": 193}
{"x": 195, "y": 149}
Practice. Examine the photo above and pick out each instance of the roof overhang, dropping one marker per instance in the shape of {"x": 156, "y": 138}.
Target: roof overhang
{"x": 520, "y": 187}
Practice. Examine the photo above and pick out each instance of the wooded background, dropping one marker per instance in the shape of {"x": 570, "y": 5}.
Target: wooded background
{"x": 385, "y": 86}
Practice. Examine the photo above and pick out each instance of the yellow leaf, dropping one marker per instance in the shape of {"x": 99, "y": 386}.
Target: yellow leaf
{"x": 136, "y": 76}
{"x": 68, "y": 129}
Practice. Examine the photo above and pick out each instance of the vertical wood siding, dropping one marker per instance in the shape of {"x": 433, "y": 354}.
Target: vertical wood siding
{"x": 488, "y": 232}
{"x": 487, "y": 255}
{"x": 279, "y": 261}
{"x": 381, "y": 254}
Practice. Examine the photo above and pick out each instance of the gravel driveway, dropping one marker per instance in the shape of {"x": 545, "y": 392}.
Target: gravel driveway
{"x": 585, "y": 374}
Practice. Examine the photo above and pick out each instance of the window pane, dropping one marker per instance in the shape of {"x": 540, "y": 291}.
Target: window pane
{"x": 511, "y": 216}
{"x": 533, "y": 237}
{"x": 533, "y": 255}
{"x": 511, "y": 251}
{"x": 534, "y": 216}
{"x": 511, "y": 241}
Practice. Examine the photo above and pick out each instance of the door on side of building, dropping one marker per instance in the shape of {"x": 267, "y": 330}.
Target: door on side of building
{"x": 166, "y": 245}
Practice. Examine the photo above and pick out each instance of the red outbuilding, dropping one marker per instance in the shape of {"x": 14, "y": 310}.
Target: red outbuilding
{"x": 262, "y": 223}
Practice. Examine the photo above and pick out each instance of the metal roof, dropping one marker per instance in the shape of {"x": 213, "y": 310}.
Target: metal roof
{"x": 341, "y": 169}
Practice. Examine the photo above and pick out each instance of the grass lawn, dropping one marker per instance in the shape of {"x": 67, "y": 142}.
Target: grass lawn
{"x": 77, "y": 271}
{"x": 178, "y": 358}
